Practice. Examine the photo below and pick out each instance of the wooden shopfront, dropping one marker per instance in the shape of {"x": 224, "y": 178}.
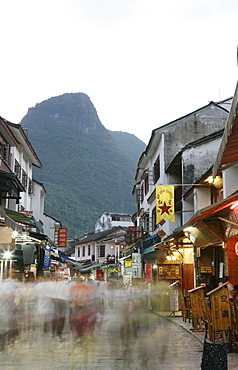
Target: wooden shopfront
{"x": 170, "y": 273}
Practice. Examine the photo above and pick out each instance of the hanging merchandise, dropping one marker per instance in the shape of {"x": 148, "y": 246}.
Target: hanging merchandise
{"x": 29, "y": 250}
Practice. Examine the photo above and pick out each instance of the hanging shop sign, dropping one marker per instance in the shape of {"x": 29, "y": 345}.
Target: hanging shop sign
{"x": 205, "y": 265}
{"x": 132, "y": 235}
{"x": 148, "y": 272}
{"x": 169, "y": 271}
{"x": 47, "y": 259}
{"x": 174, "y": 300}
{"x": 128, "y": 262}
{"x": 62, "y": 237}
{"x": 164, "y": 203}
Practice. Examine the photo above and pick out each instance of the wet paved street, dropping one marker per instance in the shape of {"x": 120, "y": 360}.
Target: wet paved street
{"x": 116, "y": 331}
{"x": 153, "y": 343}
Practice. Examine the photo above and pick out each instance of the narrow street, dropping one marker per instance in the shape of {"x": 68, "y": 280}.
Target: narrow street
{"x": 160, "y": 344}
{"x": 147, "y": 341}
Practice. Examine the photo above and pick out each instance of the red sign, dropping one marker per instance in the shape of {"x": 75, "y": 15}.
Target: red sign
{"x": 62, "y": 237}
{"x": 148, "y": 271}
{"x": 232, "y": 260}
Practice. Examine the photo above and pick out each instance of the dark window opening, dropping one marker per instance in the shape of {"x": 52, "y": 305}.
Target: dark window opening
{"x": 101, "y": 251}
{"x": 157, "y": 169}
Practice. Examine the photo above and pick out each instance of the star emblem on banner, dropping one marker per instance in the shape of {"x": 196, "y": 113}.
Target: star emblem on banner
{"x": 165, "y": 208}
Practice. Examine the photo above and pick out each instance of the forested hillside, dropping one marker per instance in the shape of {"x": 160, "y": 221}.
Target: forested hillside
{"x": 87, "y": 170}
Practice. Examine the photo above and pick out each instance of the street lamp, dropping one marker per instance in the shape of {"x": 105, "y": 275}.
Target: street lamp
{"x": 7, "y": 255}
{"x": 155, "y": 272}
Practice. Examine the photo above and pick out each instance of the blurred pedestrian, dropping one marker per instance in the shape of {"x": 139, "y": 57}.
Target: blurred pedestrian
{"x": 230, "y": 286}
{"x": 83, "y": 314}
{"x": 212, "y": 284}
{"x": 44, "y": 306}
{"x": 235, "y": 293}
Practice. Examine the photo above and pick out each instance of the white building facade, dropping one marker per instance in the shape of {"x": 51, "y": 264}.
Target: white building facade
{"x": 23, "y": 158}
{"x": 178, "y": 154}
{"x": 108, "y": 220}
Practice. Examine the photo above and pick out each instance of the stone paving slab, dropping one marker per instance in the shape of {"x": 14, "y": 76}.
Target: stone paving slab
{"x": 164, "y": 343}
{"x": 157, "y": 344}
{"x": 199, "y": 335}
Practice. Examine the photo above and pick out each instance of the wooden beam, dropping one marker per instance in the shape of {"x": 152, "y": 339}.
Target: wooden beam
{"x": 228, "y": 221}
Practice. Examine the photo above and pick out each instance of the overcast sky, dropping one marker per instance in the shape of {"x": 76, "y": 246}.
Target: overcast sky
{"x": 143, "y": 63}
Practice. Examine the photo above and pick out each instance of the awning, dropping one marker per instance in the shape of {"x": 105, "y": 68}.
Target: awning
{"x": 146, "y": 243}
{"x": 113, "y": 265}
{"x": 37, "y": 225}
{"x": 23, "y": 218}
{"x": 7, "y": 221}
{"x": 214, "y": 208}
{"x": 153, "y": 253}
{"x": 148, "y": 250}
{"x": 214, "y": 224}
{"x": 38, "y": 236}
{"x": 91, "y": 267}
{"x": 149, "y": 245}
{"x": 130, "y": 247}
{"x": 61, "y": 257}
{"x": 10, "y": 185}
{"x": 129, "y": 252}
{"x": 42, "y": 237}
{"x": 150, "y": 241}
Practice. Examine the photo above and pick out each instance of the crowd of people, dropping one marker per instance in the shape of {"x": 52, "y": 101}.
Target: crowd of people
{"x": 29, "y": 311}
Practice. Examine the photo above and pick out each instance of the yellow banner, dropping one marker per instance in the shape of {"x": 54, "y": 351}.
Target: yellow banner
{"x": 164, "y": 203}
{"x": 128, "y": 262}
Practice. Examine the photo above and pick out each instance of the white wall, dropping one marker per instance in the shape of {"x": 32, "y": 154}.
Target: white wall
{"x": 202, "y": 198}
{"x": 26, "y": 165}
{"x": 188, "y": 207}
{"x": 51, "y": 227}
{"x": 93, "y": 251}
{"x": 230, "y": 181}
{"x": 37, "y": 201}
{"x": 105, "y": 222}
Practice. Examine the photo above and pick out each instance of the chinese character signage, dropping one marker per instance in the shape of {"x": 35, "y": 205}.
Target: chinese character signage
{"x": 205, "y": 265}
{"x": 62, "y": 238}
{"x": 220, "y": 308}
{"x": 128, "y": 262}
{"x": 174, "y": 300}
{"x": 132, "y": 235}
